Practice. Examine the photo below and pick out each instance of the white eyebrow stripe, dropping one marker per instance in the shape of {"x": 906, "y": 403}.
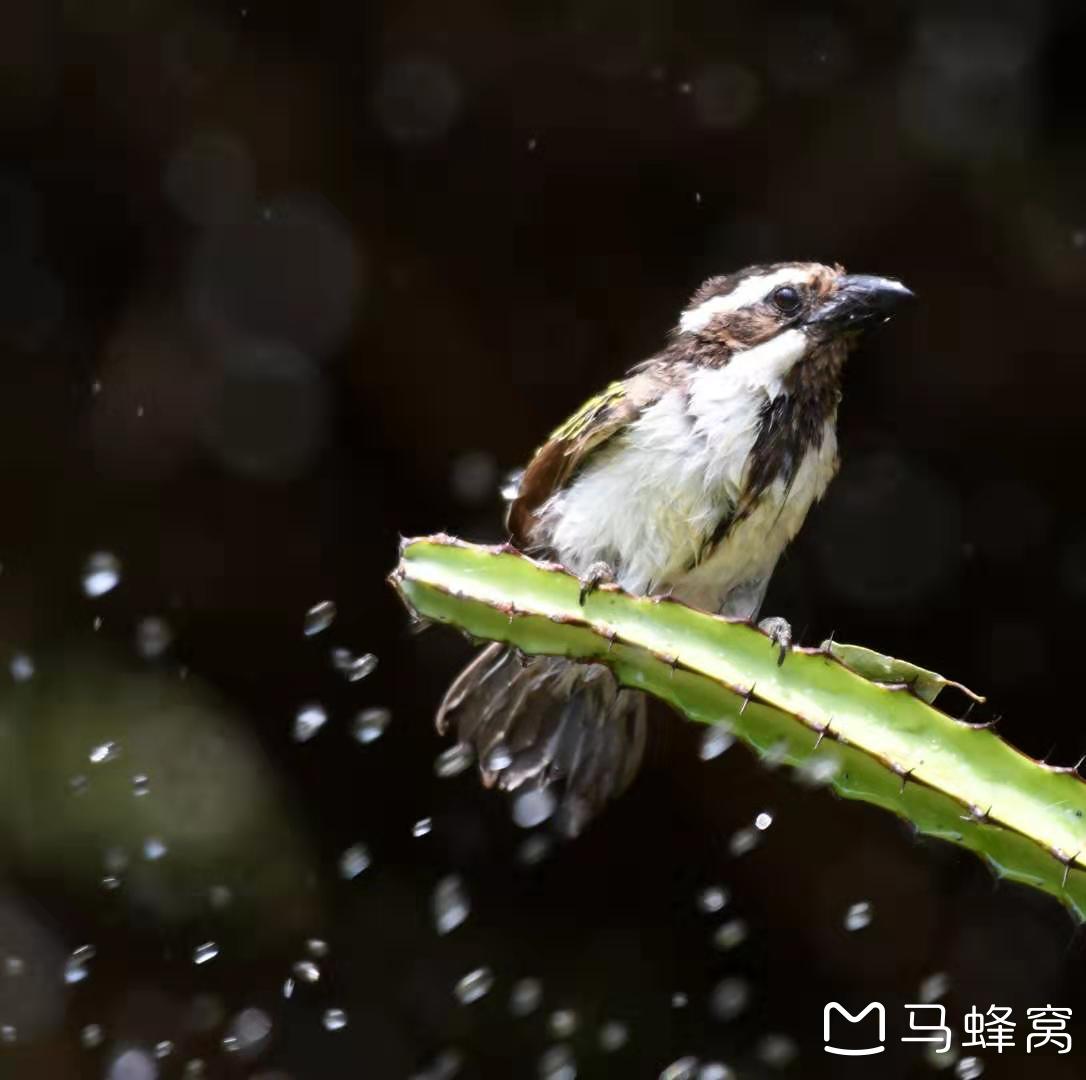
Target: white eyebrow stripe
{"x": 746, "y": 293}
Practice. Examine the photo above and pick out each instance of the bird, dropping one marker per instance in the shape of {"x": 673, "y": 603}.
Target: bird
{"x": 686, "y": 478}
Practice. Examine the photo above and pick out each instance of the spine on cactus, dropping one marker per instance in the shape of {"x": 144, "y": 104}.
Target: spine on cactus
{"x": 863, "y": 723}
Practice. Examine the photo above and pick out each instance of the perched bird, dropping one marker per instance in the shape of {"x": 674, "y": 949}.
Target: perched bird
{"x": 687, "y": 478}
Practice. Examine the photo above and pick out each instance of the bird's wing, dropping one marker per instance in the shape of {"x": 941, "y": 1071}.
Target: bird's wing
{"x": 571, "y": 445}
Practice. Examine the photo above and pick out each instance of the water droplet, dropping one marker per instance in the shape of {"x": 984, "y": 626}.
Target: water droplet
{"x": 818, "y": 770}
{"x": 777, "y": 1051}
{"x": 205, "y": 952}
{"x": 729, "y": 998}
{"x": 8, "y": 1033}
{"x": 356, "y": 668}
{"x": 153, "y": 637}
{"x": 969, "y": 1068}
{"x": 679, "y": 1000}
{"x": 163, "y": 1049}
{"x": 474, "y": 986}
{"x": 934, "y": 987}
{"x": 454, "y": 761}
{"x": 858, "y": 915}
{"x": 353, "y": 861}
{"x": 334, "y": 1020}
{"x": 562, "y": 1023}
{"x": 743, "y": 841}
{"x": 525, "y": 997}
{"x": 316, "y": 947}
{"x": 111, "y": 882}
{"x": 115, "y": 860}
{"x": 195, "y": 1069}
{"x": 22, "y": 667}
{"x": 308, "y": 721}
{"x": 14, "y": 966}
{"x": 474, "y": 477}
{"x": 101, "y": 574}
{"x": 369, "y": 725}
{"x": 92, "y": 1036}
{"x": 141, "y": 785}
{"x": 533, "y": 806}
{"x": 498, "y": 759}
{"x": 763, "y": 821}
{"x": 713, "y": 898}
{"x": 104, "y": 752}
{"x": 558, "y": 1063}
{"x": 686, "y": 1068}
{"x": 75, "y": 967}
{"x": 730, "y": 934}
{"x": 154, "y": 848}
{"x": 219, "y": 896}
{"x": 510, "y": 489}
{"x": 288, "y": 989}
{"x": 534, "y": 850}
{"x": 614, "y": 1035}
{"x": 714, "y": 741}
{"x": 248, "y": 1032}
{"x": 450, "y": 904}
{"x": 715, "y": 1070}
{"x": 78, "y": 784}
{"x": 132, "y": 1064}
{"x": 319, "y": 617}
{"x": 306, "y": 971}
{"x": 422, "y": 827}
{"x": 776, "y": 755}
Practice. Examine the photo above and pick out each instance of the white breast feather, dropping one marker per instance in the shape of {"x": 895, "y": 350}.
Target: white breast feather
{"x": 648, "y": 503}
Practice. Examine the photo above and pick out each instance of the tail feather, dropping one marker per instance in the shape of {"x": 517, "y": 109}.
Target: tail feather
{"x": 557, "y": 722}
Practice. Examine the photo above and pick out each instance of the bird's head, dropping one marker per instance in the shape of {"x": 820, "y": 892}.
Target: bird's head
{"x": 804, "y": 308}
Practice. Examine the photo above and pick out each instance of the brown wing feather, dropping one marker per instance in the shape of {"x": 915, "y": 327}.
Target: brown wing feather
{"x": 570, "y": 446}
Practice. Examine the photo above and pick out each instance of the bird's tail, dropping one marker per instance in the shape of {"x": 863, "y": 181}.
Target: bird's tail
{"x": 546, "y": 720}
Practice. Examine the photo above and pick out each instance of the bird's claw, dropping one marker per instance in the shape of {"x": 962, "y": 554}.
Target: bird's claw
{"x": 599, "y": 573}
{"x": 780, "y": 634}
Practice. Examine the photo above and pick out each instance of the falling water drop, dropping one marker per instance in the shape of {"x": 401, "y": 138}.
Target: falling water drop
{"x": 75, "y": 967}
{"x": 334, "y": 1020}
{"x": 858, "y": 916}
{"x": 104, "y": 752}
{"x": 453, "y": 761}
{"x": 730, "y": 934}
{"x": 204, "y": 953}
{"x": 525, "y": 997}
{"x": 101, "y": 574}
{"x": 353, "y": 861}
{"x": 533, "y": 806}
{"x": 308, "y": 720}
{"x": 613, "y": 1036}
{"x": 474, "y": 986}
{"x": 319, "y": 617}
{"x": 715, "y": 740}
{"x": 712, "y": 898}
{"x": 369, "y": 725}
{"x": 22, "y": 667}
{"x": 451, "y": 905}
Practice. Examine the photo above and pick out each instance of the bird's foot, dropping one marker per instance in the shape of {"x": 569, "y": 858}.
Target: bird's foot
{"x": 599, "y": 573}
{"x": 780, "y": 634}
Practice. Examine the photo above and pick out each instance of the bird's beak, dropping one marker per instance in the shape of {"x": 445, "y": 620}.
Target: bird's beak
{"x": 859, "y": 301}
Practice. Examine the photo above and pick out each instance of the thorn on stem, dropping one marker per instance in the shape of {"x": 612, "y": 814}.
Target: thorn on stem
{"x": 746, "y": 699}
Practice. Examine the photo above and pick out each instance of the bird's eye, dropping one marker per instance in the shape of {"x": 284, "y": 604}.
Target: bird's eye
{"x": 787, "y": 300}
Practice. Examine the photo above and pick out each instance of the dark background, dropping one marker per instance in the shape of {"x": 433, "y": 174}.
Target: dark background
{"x": 280, "y": 281}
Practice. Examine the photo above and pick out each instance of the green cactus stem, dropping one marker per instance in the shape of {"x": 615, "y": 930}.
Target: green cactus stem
{"x": 858, "y": 721}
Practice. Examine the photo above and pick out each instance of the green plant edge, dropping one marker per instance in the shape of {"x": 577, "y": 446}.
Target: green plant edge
{"x": 880, "y": 740}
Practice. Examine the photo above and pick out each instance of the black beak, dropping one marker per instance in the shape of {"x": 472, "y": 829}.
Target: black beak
{"x": 859, "y": 301}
